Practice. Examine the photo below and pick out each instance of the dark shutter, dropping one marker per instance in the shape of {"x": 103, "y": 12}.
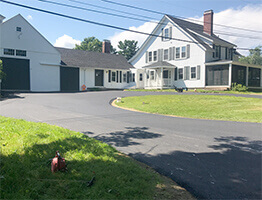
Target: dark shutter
{"x": 219, "y": 51}
{"x": 170, "y": 57}
{"x": 186, "y": 74}
{"x": 198, "y": 72}
{"x": 162, "y": 34}
{"x": 161, "y": 54}
{"x": 188, "y": 51}
{"x": 175, "y": 78}
{"x": 158, "y": 55}
{"x": 109, "y": 76}
{"x": 226, "y": 53}
{"x": 146, "y": 56}
{"x": 120, "y": 77}
{"x": 127, "y": 77}
{"x": 117, "y": 76}
{"x": 170, "y": 32}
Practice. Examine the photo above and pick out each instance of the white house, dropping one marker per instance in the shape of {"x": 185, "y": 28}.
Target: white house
{"x": 33, "y": 64}
{"x": 189, "y": 55}
{"x": 29, "y": 60}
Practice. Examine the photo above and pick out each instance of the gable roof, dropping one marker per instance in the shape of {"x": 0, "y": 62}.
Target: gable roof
{"x": 197, "y": 28}
{"x": 90, "y": 59}
{"x": 159, "y": 64}
{"x": 192, "y": 29}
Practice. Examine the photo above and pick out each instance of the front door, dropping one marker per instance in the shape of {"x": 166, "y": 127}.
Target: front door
{"x": 99, "y": 77}
{"x": 167, "y": 78}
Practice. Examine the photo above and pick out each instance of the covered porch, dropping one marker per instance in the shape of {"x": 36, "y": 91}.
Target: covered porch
{"x": 224, "y": 73}
{"x": 159, "y": 75}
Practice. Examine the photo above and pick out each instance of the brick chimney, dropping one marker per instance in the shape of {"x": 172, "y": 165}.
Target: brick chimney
{"x": 106, "y": 46}
{"x": 208, "y": 22}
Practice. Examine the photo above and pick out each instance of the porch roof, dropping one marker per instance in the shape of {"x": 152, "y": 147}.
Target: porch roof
{"x": 160, "y": 64}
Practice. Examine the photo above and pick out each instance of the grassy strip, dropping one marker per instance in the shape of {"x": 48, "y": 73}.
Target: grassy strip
{"x": 27, "y": 146}
{"x": 197, "y": 90}
{"x": 199, "y": 106}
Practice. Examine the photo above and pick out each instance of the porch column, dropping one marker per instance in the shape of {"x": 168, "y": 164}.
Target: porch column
{"x": 230, "y": 75}
{"x": 246, "y": 76}
{"x": 261, "y": 77}
{"x": 161, "y": 74}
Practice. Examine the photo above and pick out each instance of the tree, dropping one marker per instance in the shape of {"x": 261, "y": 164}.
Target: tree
{"x": 128, "y": 48}
{"x": 2, "y": 74}
{"x": 254, "y": 57}
{"x": 92, "y": 44}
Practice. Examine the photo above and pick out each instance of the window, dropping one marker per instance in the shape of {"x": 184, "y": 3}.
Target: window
{"x": 155, "y": 56}
{"x": 114, "y": 76}
{"x": 20, "y": 53}
{"x": 140, "y": 77}
{"x": 183, "y": 52}
{"x": 10, "y": 52}
{"x": 152, "y": 75}
{"x": 19, "y": 29}
{"x": 124, "y": 77}
{"x": 193, "y": 72}
{"x": 178, "y": 52}
{"x": 150, "y": 56}
{"x": 165, "y": 54}
{"x": 134, "y": 77}
{"x": 180, "y": 73}
{"x": 166, "y": 33}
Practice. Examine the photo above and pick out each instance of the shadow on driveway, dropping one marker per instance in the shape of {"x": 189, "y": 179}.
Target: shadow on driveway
{"x": 232, "y": 173}
{"x": 126, "y": 138}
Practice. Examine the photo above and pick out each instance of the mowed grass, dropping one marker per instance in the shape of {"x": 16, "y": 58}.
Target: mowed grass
{"x": 199, "y": 106}
{"x": 25, "y": 174}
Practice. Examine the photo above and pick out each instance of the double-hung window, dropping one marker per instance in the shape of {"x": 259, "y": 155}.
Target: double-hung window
{"x": 150, "y": 56}
{"x": 193, "y": 72}
{"x": 155, "y": 55}
{"x": 166, "y": 33}
{"x": 180, "y": 73}
{"x": 113, "y": 76}
{"x": 183, "y": 52}
{"x": 177, "y": 52}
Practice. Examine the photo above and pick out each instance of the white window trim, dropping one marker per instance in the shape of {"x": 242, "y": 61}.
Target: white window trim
{"x": 151, "y": 57}
{"x": 156, "y": 56}
{"x": 167, "y": 54}
{"x": 178, "y": 74}
{"x": 164, "y": 35}
{"x": 154, "y": 74}
{"x": 195, "y": 73}
{"x": 180, "y": 53}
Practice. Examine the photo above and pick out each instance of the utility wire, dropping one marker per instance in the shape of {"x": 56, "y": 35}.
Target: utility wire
{"x": 98, "y": 23}
{"x": 161, "y": 13}
{"x": 138, "y": 19}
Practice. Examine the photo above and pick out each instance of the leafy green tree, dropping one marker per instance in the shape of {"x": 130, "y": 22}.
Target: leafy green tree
{"x": 128, "y": 48}
{"x": 254, "y": 57}
{"x": 93, "y": 44}
{"x": 90, "y": 44}
{"x": 2, "y": 74}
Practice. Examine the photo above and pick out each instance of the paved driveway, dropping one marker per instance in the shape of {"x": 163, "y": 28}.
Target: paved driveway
{"x": 211, "y": 159}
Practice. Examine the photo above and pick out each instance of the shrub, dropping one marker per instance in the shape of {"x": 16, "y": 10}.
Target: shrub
{"x": 239, "y": 87}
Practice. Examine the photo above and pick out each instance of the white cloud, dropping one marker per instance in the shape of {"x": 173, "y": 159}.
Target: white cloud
{"x": 126, "y": 35}
{"x": 29, "y": 17}
{"x": 66, "y": 41}
{"x": 248, "y": 17}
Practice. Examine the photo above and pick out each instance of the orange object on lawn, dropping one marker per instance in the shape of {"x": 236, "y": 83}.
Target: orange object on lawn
{"x": 58, "y": 163}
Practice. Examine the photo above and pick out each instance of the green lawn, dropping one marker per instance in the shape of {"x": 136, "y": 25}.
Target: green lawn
{"x": 198, "y": 91}
{"x": 25, "y": 174}
{"x": 199, "y": 106}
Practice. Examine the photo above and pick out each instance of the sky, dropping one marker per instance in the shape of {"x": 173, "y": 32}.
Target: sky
{"x": 67, "y": 32}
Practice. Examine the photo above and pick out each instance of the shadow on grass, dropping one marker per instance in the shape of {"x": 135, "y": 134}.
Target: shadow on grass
{"x": 27, "y": 175}
{"x": 126, "y": 138}
{"x": 232, "y": 173}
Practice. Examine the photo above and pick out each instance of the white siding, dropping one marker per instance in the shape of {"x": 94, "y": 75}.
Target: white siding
{"x": 39, "y": 50}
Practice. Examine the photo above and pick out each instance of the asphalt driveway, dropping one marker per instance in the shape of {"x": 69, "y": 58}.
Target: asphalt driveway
{"x": 211, "y": 159}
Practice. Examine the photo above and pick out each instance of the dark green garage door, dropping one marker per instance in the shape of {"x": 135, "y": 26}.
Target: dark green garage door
{"x": 17, "y": 74}
{"x": 69, "y": 79}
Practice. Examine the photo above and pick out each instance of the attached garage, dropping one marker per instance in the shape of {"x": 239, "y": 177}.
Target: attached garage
{"x": 17, "y": 74}
{"x": 69, "y": 79}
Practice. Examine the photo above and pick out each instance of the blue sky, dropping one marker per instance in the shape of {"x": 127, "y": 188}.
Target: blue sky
{"x": 53, "y": 27}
